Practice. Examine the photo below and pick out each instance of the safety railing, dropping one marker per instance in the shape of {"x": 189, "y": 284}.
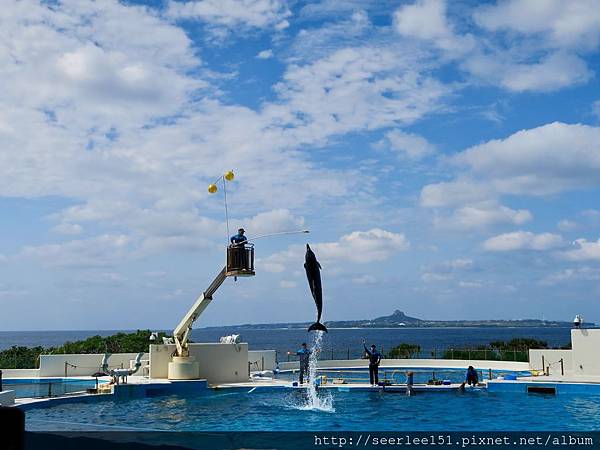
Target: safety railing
{"x": 240, "y": 258}
{"x": 516, "y": 354}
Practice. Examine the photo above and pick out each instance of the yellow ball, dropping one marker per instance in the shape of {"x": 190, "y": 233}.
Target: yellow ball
{"x": 212, "y": 188}
{"x": 229, "y": 176}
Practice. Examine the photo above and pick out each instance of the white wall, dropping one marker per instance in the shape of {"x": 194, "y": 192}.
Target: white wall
{"x": 219, "y": 363}
{"x": 160, "y": 356}
{"x": 257, "y": 357}
{"x": 552, "y": 358}
{"x": 586, "y": 351}
{"x": 20, "y": 373}
{"x": 86, "y": 364}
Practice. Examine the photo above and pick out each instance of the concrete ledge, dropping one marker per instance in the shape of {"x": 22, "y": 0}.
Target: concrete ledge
{"x": 521, "y": 386}
{"x": 7, "y": 398}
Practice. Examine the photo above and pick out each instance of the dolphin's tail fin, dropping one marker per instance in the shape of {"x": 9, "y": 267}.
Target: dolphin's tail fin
{"x": 317, "y": 326}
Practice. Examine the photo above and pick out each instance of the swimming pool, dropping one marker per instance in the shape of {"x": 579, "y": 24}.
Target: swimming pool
{"x": 47, "y": 387}
{"x": 268, "y": 409}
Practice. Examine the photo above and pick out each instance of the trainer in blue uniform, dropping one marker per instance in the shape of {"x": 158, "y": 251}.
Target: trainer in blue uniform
{"x": 239, "y": 237}
{"x": 472, "y": 378}
{"x": 304, "y": 357}
{"x": 374, "y": 360}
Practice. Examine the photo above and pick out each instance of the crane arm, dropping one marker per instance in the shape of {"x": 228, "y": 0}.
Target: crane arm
{"x": 182, "y": 331}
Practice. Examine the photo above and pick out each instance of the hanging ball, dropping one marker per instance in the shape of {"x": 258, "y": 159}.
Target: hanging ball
{"x": 229, "y": 176}
{"x": 212, "y": 188}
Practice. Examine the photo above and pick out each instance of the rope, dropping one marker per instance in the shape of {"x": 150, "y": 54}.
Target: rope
{"x": 226, "y": 210}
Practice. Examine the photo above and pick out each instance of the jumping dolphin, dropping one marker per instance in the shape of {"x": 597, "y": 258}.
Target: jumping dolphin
{"x": 313, "y": 275}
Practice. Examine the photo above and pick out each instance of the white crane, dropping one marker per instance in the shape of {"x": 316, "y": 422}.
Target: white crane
{"x": 240, "y": 263}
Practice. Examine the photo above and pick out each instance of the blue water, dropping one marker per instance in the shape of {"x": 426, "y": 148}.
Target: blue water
{"x": 281, "y": 409}
{"x": 339, "y": 343}
{"x": 48, "y": 387}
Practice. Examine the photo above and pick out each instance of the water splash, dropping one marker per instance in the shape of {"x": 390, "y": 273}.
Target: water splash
{"x": 316, "y": 400}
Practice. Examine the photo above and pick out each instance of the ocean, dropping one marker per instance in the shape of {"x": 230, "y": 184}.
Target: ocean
{"x": 339, "y": 343}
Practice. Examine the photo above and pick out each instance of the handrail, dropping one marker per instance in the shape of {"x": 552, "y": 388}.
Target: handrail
{"x": 490, "y": 354}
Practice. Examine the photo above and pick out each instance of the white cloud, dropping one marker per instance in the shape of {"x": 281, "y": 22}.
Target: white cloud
{"x": 470, "y": 284}
{"x": 446, "y": 270}
{"x": 364, "y": 246}
{"x": 566, "y": 225}
{"x": 563, "y": 24}
{"x": 541, "y": 58}
{"x": 356, "y": 247}
{"x": 591, "y": 213}
{"x": 549, "y": 159}
{"x": 356, "y": 88}
{"x": 99, "y": 251}
{"x": 277, "y": 220}
{"x": 410, "y": 146}
{"x": 554, "y": 71}
{"x": 426, "y": 20}
{"x": 432, "y": 277}
{"x": 68, "y": 228}
{"x": 265, "y": 54}
{"x": 543, "y": 160}
{"x": 364, "y": 279}
{"x": 584, "y": 251}
{"x": 286, "y": 284}
{"x": 454, "y": 193}
{"x": 233, "y": 13}
{"x": 482, "y": 216}
{"x": 523, "y": 240}
{"x": 572, "y": 275}
{"x": 459, "y": 264}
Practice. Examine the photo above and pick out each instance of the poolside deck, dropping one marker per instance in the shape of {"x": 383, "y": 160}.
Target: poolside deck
{"x": 282, "y": 384}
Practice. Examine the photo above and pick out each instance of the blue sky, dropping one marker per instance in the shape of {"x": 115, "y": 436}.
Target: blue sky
{"x": 444, "y": 156}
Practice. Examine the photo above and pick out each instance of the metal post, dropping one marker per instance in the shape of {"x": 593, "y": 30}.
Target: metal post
{"x": 50, "y": 389}
{"x": 0, "y": 380}
{"x": 543, "y": 363}
{"x": 249, "y": 368}
{"x": 489, "y": 374}
{"x": 288, "y": 355}
{"x": 262, "y": 362}
{"x": 66, "y": 369}
{"x": 562, "y": 367}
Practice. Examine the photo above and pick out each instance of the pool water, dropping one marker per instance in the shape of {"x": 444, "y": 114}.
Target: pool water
{"x": 47, "y": 387}
{"x": 269, "y": 409}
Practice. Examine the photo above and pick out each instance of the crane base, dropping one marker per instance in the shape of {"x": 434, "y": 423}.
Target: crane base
{"x": 184, "y": 368}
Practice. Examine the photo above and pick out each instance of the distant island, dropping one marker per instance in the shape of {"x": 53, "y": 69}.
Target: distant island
{"x": 399, "y": 320}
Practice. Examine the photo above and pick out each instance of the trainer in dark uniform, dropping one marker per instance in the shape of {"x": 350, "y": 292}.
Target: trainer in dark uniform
{"x": 374, "y": 360}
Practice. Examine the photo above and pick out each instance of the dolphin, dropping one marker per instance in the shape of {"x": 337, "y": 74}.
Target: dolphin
{"x": 313, "y": 275}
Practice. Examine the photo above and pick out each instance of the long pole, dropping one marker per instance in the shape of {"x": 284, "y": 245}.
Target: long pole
{"x": 278, "y": 234}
